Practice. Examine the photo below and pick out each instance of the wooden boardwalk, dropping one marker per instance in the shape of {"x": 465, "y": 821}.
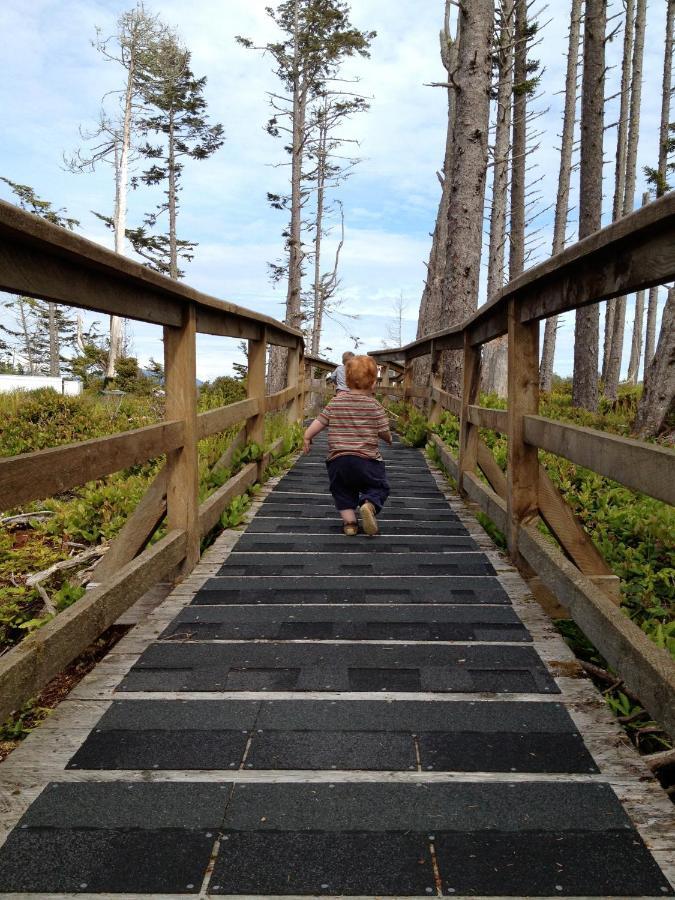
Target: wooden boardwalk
{"x": 311, "y": 715}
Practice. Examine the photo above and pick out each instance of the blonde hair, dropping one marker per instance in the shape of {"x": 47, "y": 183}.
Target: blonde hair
{"x": 346, "y": 356}
{"x": 361, "y": 372}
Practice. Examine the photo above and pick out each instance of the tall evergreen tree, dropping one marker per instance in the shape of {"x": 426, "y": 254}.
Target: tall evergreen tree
{"x": 132, "y": 46}
{"x": 177, "y": 115}
{"x": 316, "y": 37}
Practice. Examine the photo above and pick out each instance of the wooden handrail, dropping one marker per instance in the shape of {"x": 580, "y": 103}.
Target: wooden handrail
{"x": 39, "y": 259}
{"x": 636, "y": 464}
{"x": 32, "y": 476}
{"x": 216, "y": 420}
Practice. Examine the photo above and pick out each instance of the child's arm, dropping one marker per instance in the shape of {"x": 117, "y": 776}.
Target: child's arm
{"x": 311, "y": 432}
{"x": 385, "y": 436}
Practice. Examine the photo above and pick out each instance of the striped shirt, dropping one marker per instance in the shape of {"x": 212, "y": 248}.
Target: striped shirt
{"x": 355, "y": 421}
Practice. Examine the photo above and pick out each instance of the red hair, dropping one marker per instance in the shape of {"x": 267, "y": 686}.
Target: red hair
{"x": 361, "y": 372}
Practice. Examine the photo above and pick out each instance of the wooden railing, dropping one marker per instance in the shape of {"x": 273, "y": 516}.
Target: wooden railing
{"x": 629, "y": 255}
{"x": 38, "y": 259}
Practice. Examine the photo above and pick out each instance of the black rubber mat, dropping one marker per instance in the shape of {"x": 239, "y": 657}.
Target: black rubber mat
{"x": 99, "y": 838}
{"x": 297, "y": 525}
{"x": 356, "y": 623}
{"x": 339, "y": 667}
{"x": 300, "y": 510}
{"x": 505, "y": 839}
{"x": 362, "y": 543}
{"x": 360, "y": 590}
{"x": 351, "y": 564}
{"x": 400, "y": 502}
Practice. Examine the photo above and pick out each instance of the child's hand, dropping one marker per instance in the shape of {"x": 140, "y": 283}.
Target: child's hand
{"x": 306, "y": 444}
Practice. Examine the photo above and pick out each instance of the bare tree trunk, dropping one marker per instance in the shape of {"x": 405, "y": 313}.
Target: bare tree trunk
{"x": 613, "y": 373}
{"x": 173, "y": 239}
{"x": 120, "y": 219}
{"x": 469, "y": 167}
{"x": 666, "y": 92}
{"x": 432, "y": 297}
{"x": 54, "y": 350}
{"x": 585, "y": 380}
{"x": 608, "y": 373}
{"x": 494, "y": 362}
{"x": 563, "y": 194}
{"x": 279, "y": 355}
{"x": 320, "y": 193}
{"x": 27, "y": 340}
{"x": 658, "y": 396}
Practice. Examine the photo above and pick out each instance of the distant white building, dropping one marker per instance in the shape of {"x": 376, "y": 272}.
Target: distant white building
{"x": 71, "y": 387}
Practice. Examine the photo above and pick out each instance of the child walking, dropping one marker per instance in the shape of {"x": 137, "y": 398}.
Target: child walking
{"x": 355, "y": 422}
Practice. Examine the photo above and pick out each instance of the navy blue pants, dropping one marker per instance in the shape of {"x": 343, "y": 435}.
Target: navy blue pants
{"x": 354, "y": 479}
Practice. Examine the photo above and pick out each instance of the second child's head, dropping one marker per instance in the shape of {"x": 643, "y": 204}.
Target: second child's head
{"x": 361, "y": 373}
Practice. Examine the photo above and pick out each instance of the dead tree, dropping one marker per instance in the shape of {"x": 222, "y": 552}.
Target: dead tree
{"x": 432, "y": 297}
{"x": 616, "y": 348}
{"x": 658, "y": 397}
{"x": 469, "y": 167}
{"x": 494, "y": 362}
{"x": 563, "y": 193}
{"x": 585, "y": 378}
{"x": 660, "y": 177}
{"x": 619, "y": 179}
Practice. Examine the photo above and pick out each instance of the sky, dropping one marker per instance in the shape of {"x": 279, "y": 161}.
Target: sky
{"x": 54, "y": 81}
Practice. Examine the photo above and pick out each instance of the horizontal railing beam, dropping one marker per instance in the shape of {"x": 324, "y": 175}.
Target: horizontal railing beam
{"x": 280, "y": 399}
{"x": 483, "y": 417}
{"x": 448, "y": 401}
{"x": 635, "y": 252}
{"x": 643, "y": 467}
{"x": 32, "y": 476}
{"x": 38, "y": 259}
{"x": 216, "y": 420}
{"x": 26, "y": 668}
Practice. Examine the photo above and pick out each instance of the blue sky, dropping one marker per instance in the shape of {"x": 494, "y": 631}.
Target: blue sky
{"x": 53, "y": 81}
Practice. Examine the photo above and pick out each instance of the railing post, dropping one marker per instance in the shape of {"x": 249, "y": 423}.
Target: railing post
{"x": 256, "y": 387}
{"x": 435, "y": 381}
{"x": 407, "y": 379}
{"x": 180, "y": 375}
{"x": 384, "y": 378}
{"x": 523, "y": 399}
{"x": 468, "y": 433}
{"x": 293, "y": 380}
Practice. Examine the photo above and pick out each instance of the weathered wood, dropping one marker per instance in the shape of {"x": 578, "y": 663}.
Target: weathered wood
{"x": 280, "y": 399}
{"x": 436, "y": 378}
{"x": 568, "y": 529}
{"x": 137, "y": 530}
{"x": 182, "y": 489}
{"x": 447, "y": 459}
{"x": 491, "y": 503}
{"x": 38, "y": 259}
{"x": 482, "y": 417}
{"x": 648, "y": 468}
{"x": 217, "y": 420}
{"x": 292, "y": 380}
{"x": 255, "y": 388}
{"x": 491, "y": 470}
{"x": 647, "y": 669}
{"x": 26, "y": 668}
{"x": 31, "y": 476}
{"x": 212, "y": 508}
{"x": 448, "y": 401}
{"x": 523, "y": 391}
{"x": 408, "y": 374}
{"x": 633, "y": 253}
{"x": 468, "y": 433}
{"x": 238, "y": 442}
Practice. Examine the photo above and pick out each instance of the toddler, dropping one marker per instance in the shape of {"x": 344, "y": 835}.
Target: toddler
{"x": 355, "y": 422}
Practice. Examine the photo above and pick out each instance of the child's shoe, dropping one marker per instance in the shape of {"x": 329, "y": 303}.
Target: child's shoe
{"x": 368, "y": 519}
{"x": 350, "y": 529}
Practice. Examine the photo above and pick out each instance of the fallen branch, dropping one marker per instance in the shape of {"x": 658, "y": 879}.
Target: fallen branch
{"x": 36, "y": 580}
{"x": 657, "y": 761}
{"x": 26, "y": 517}
{"x": 607, "y": 678}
